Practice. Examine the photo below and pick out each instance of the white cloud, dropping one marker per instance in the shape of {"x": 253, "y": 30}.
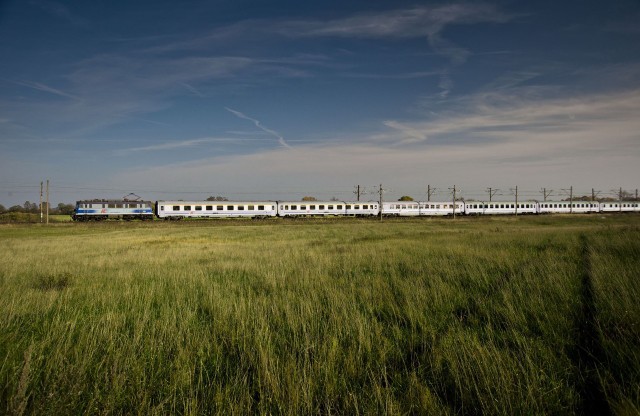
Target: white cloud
{"x": 259, "y": 125}
{"x": 45, "y": 88}
{"x": 423, "y": 21}
{"x": 586, "y": 142}
{"x": 172, "y": 145}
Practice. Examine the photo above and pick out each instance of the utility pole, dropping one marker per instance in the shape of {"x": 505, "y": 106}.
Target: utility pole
{"x": 454, "y": 201}
{"x": 41, "y": 184}
{"x": 516, "y": 192}
{"x": 546, "y": 194}
{"x": 430, "y": 192}
{"x": 47, "y": 201}
{"x": 380, "y": 206}
{"x": 636, "y": 194}
{"x": 492, "y": 192}
{"x": 571, "y": 199}
{"x": 357, "y": 192}
{"x": 570, "y": 191}
{"x": 620, "y": 197}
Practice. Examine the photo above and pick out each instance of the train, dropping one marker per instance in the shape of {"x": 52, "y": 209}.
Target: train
{"x": 127, "y": 210}
{"x": 105, "y": 209}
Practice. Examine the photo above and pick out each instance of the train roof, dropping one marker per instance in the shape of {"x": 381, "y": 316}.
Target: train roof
{"x": 112, "y": 201}
{"x": 326, "y": 202}
{"x": 191, "y": 202}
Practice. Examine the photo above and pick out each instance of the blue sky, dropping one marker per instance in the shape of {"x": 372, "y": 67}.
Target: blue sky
{"x": 282, "y": 99}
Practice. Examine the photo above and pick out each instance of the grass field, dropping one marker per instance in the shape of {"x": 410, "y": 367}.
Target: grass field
{"x": 536, "y": 315}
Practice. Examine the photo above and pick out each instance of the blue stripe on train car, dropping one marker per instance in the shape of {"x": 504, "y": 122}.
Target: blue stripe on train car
{"x": 107, "y": 211}
{"x": 86, "y": 211}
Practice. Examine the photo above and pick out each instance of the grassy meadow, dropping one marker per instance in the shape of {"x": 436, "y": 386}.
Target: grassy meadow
{"x": 527, "y": 315}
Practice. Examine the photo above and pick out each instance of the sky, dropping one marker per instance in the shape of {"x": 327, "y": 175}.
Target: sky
{"x": 284, "y": 99}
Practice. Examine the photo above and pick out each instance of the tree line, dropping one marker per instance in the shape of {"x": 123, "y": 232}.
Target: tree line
{"x": 33, "y": 208}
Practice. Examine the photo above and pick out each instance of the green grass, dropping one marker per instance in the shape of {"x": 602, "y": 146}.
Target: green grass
{"x": 534, "y": 315}
{"x": 22, "y": 217}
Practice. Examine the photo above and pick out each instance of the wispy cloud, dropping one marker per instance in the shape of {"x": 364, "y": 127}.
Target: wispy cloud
{"x": 45, "y": 88}
{"x": 178, "y": 144}
{"x": 400, "y": 23}
{"x": 274, "y": 133}
{"x": 521, "y": 115}
{"x": 426, "y": 21}
{"x": 411, "y": 134}
{"x": 60, "y": 11}
{"x": 192, "y": 89}
{"x": 406, "y": 75}
{"x": 508, "y": 138}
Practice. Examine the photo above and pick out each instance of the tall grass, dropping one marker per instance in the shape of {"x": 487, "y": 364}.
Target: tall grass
{"x": 354, "y": 317}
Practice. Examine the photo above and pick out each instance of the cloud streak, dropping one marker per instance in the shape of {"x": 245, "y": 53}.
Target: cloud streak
{"x": 520, "y": 141}
{"x": 538, "y": 123}
{"x": 426, "y": 21}
{"x": 45, "y": 88}
{"x": 257, "y": 123}
{"x": 175, "y": 145}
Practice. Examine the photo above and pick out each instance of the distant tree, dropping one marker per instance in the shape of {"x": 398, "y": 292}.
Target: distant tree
{"x": 64, "y": 209}
{"x": 405, "y": 198}
{"x": 2, "y": 209}
{"x": 30, "y": 207}
{"x": 628, "y": 196}
{"x": 217, "y": 198}
{"x": 580, "y": 198}
{"x": 309, "y": 198}
{"x": 15, "y": 208}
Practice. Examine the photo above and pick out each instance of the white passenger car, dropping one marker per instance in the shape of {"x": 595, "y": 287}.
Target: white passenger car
{"x": 215, "y": 209}
{"x": 326, "y": 208}
{"x": 401, "y": 208}
{"x": 440, "y": 208}
{"x": 624, "y": 206}
{"x": 500, "y": 207}
{"x": 362, "y": 209}
{"x": 566, "y": 207}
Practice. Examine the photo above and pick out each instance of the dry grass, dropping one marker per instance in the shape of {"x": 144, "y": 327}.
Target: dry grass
{"x": 340, "y": 317}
